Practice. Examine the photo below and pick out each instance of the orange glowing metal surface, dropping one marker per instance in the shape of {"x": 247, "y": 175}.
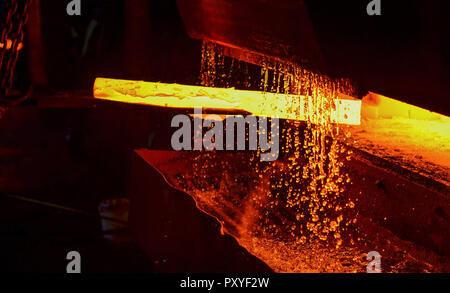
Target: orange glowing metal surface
{"x": 376, "y": 106}
{"x": 413, "y": 137}
{"x": 347, "y": 110}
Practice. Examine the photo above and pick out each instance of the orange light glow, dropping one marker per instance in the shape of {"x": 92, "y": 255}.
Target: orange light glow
{"x": 407, "y": 135}
{"x": 376, "y": 106}
{"x": 9, "y": 45}
{"x": 346, "y": 111}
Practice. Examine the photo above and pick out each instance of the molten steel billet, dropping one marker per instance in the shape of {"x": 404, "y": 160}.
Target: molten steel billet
{"x": 345, "y": 110}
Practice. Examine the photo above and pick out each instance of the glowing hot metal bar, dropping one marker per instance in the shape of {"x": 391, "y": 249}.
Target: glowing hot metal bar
{"x": 345, "y": 111}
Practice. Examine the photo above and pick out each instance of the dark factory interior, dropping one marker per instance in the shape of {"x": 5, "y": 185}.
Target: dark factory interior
{"x": 86, "y": 162}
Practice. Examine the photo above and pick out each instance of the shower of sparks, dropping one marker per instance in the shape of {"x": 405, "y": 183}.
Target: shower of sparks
{"x": 283, "y": 212}
{"x": 310, "y": 184}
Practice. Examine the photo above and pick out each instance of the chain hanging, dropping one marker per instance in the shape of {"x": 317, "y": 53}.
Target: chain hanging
{"x": 11, "y": 41}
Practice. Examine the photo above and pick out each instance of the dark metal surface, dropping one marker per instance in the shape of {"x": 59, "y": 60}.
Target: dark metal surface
{"x": 402, "y": 54}
{"x": 277, "y": 29}
{"x": 406, "y": 221}
{"x": 168, "y": 226}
